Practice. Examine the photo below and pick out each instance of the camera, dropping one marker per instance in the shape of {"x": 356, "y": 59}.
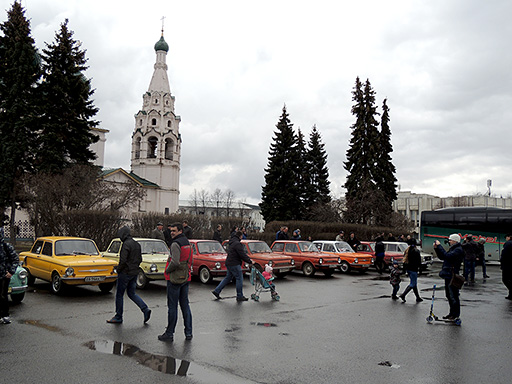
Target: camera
{"x": 446, "y": 242}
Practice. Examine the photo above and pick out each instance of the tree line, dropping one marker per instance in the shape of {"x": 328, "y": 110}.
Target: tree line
{"x": 296, "y": 177}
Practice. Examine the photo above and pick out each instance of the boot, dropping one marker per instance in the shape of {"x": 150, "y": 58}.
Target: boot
{"x": 418, "y": 298}
{"x": 407, "y": 290}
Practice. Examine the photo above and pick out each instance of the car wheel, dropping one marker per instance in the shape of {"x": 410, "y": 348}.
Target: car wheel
{"x": 328, "y": 272}
{"x": 344, "y": 267}
{"x": 56, "y": 283}
{"x": 308, "y": 269}
{"x": 142, "y": 280}
{"x": 106, "y": 287}
{"x": 30, "y": 279}
{"x": 204, "y": 275}
{"x": 18, "y": 298}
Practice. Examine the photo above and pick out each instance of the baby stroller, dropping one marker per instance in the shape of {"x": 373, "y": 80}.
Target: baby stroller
{"x": 261, "y": 284}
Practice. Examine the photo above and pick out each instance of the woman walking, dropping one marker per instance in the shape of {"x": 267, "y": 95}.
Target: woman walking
{"x": 412, "y": 264}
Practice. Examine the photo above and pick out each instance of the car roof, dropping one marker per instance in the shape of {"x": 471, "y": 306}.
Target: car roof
{"x": 55, "y": 238}
{"x": 140, "y": 238}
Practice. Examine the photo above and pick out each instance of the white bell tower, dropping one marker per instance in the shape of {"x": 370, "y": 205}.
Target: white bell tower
{"x": 156, "y": 141}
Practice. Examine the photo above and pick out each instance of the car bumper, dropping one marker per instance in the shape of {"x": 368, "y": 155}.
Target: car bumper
{"x": 155, "y": 275}
{"x": 360, "y": 266}
{"x": 284, "y": 270}
{"x": 327, "y": 266}
{"x": 92, "y": 280}
{"x": 17, "y": 289}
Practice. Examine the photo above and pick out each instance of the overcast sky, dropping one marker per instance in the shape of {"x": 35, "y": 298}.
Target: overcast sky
{"x": 444, "y": 67}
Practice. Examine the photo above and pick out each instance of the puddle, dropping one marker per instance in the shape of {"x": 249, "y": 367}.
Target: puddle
{"x": 389, "y": 364}
{"x": 165, "y": 364}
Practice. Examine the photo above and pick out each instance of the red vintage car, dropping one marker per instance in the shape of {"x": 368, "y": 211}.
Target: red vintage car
{"x": 261, "y": 254}
{"x": 393, "y": 251}
{"x": 208, "y": 260}
{"x": 307, "y": 256}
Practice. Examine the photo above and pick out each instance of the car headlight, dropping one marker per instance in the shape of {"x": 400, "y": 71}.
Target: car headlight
{"x": 23, "y": 274}
{"x": 392, "y": 259}
{"x": 153, "y": 268}
{"x": 217, "y": 265}
{"x": 356, "y": 260}
{"x": 69, "y": 271}
{"x": 114, "y": 270}
{"x": 292, "y": 262}
{"x": 339, "y": 260}
{"x": 321, "y": 261}
{"x": 271, "y": 263}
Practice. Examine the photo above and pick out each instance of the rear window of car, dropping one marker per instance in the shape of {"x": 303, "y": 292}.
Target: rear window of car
{"x": 47, "y": 249}
{"x": 278, "y": 247}
{"x": 36, "y": 248}
{"x": 291, "y": 247}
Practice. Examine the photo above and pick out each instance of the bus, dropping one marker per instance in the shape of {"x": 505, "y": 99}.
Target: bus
{"x": 489, "y": 223}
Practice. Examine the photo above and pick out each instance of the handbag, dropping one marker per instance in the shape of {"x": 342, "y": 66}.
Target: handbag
{"x": 181, "y": 273}
{"x": 457, "y": 281}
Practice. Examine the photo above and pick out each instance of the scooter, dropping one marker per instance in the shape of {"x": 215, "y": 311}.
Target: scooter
{"x": 432, "y": 317}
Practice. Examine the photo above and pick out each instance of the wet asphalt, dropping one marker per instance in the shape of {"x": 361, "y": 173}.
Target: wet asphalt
{"x": 342, "y": 329}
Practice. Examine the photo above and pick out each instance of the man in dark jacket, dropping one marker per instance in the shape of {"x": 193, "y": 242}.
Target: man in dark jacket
{"x": 471, "y": 252}
{"x": 177, "y": 291}
{"x": 187, "y": 229}
{"x": 451, "y": 265}
{"x": 130, "y": 258}
{"x": 8, "y": 263}
{"x": 506, "y": 265}
{"x": 236, "y": 256}
{"x": 380, "y": 252}
{"x": 217, "y": 234}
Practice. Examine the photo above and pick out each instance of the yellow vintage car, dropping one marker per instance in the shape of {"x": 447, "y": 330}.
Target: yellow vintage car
{"x": 68, "y": 261}
{"x": 154, "y": 257}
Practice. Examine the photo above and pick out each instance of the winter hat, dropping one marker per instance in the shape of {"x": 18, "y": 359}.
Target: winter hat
{"x": 454, "y": 237}
{"x": 268, "y": 268}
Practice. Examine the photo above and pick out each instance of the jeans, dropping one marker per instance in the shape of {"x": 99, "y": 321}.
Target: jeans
{"x": 379, "y": 262}
{"x": 178, "y": 293}
{"x": 396, "y": 287}
{"x": 233, "y": 272}
{"x": 127, "y": 283}
{"x": 506, "y": 277}
{"x": 452, "y": 294}
{"x": 469, "y": 270}
{"x": 413, "y": 277}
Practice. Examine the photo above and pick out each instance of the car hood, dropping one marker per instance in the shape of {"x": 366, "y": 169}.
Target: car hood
{"x": 211, "y": 256}
{"x": 269, "y": 256}
{"x": 84, "y": 260}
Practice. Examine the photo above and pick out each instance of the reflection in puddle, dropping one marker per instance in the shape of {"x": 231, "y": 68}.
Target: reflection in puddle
{"x": 265, "y": 324}
{"x": 165, "y": 364}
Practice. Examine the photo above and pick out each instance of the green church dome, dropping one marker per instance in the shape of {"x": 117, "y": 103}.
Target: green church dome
{"x": 161, "y": 45}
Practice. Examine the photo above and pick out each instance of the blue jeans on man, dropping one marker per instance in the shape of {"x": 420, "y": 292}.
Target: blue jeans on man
{"x": 127, "y": 283}
{"x": 178, "y": 294}
{"x": 234, "y": 271}
{"x": 469, "y": 270}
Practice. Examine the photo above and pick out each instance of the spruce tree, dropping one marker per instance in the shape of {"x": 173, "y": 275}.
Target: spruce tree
{"x": 68, "y": 109}
{"x": 280, "y": 196}
{"x": 386, "y": 180}
{"x": 303, "y": 177}
{"x": 318, "y": 183}
{"x": 19, "y": 73}
{"x": 362, "y": 156}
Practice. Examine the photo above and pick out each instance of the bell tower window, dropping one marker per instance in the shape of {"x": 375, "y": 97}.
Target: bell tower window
{"x": 152, "y": 147}
{"x": 169, "y": 124}
{"x": 168, "y": 149}
{"x": 153, "y": 121}
{"x": 137, "y": 148}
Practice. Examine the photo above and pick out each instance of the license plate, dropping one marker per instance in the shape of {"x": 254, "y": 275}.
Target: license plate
{"x": 94, "y": 278}
{"x": 365, "y": 265}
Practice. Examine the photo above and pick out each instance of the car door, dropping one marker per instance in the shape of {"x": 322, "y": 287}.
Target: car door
{"x": 113, "y": 250}
{"x": 292, "y": 249}
{"x": 45, "y": 261}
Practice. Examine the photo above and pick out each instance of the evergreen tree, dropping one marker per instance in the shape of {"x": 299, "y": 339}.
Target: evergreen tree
{"x": 318, "y": 183}
{"x": 68, "y": 110}
{"x": 19, "y": 73}
{"x": 280, "y": 196}
{"x": 362, "y": 156}
{"x": 303, "y": 179}
{"x": 386, "y": 180}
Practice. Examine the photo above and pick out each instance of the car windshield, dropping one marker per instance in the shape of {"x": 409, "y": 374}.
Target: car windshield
{"x": 259, "y": 247}
{"x": 210, "y": 247}
{"x": 306, "y": 246}
{"x": 402, "y": 247}
{"x": 342, "y": 246}
{"x": 75, "y": 247}
{"x": 153, "y": 246}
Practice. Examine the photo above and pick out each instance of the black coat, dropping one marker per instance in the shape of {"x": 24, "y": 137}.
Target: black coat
{"x": 413, "y": 259}
{"x": 236, "y": 253}
{"x": 130, "y": 256}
